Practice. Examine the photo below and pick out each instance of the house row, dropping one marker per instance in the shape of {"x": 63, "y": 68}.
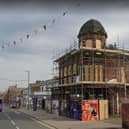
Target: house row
{"x": 39, "y": 90}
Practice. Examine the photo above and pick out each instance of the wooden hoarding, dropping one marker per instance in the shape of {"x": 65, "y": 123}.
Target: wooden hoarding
{"x": 86, "y": 73}
{"x": 101, "y": 72}
{"x": 96, "y": 73}
{"x": 103, "y": 109}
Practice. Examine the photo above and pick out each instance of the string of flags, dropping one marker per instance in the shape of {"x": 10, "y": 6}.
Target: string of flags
{"x": 44, "y": 28}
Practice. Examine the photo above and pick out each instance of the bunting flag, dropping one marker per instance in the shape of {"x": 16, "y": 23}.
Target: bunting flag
{"x": 14, "y": 42}
{"x": 53, "y": 21}
{"x": 27, "y": 36}
{"x": 64, "y": 13}
{"x": 44, "y": 27}
{"x": 21, "y": 40}
{"x": 2, "y": 46}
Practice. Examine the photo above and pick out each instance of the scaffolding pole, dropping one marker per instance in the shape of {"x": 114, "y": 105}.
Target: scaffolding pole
{"x": 125, "y": 88}
{"x": 105, "y": 62}
{"x": 82, "y": 78}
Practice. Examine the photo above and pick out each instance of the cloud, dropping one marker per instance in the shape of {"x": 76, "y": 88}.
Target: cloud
{"x": 35, "y": 54}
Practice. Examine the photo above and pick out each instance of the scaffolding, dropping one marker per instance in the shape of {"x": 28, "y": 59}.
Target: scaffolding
{"x": 91, "y": 73}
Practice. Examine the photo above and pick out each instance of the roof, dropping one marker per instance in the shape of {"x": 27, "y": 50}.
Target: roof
{"x": 111, "y": 51}
{"x": 92, "y": 27}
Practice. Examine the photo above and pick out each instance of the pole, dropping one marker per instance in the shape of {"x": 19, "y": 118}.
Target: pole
{"x": 82, "y": 79}
{"x": 105, "y": 72}
{"x": 125, "y": 90}
{"x": 28, "y": 80}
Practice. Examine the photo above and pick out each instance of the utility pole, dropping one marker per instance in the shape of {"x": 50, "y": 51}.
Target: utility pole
{"x": 28, "y": 80}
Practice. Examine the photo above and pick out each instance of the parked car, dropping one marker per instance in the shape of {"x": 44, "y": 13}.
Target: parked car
{"x": 13, "y": 105}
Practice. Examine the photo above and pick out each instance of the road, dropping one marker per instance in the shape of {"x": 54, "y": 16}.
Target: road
{"x": 12, "y": 119}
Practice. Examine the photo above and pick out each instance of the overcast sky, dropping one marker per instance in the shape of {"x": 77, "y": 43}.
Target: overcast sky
{"x": 35, "y": 54}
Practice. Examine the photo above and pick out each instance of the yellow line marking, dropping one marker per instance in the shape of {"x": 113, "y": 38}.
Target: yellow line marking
{"x": 43, "y": 124}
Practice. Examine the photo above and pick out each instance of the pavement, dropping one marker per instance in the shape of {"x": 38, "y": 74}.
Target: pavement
{"x": 53, "y": 121}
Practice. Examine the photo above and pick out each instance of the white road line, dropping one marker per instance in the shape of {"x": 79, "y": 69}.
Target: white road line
{"x": 13, "y": 122}
{"x": 17, "y": 127}
{"x": 17, "y": 112}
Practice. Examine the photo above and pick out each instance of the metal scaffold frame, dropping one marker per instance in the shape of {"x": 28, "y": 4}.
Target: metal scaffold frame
{"x": 117, "y": 58}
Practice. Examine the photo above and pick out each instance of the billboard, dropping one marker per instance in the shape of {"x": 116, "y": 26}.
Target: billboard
{"x": 89, "y": 110}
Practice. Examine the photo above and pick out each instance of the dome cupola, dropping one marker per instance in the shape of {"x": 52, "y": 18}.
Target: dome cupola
{"x": 92, "y": 34}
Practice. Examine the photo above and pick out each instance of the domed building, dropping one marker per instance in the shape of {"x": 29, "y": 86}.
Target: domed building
{"x": 94, "y": 70}
{"x": 92, "y": 34}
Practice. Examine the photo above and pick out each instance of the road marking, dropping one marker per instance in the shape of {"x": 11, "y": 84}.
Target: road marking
{"x": 43, "y": 124}
{"x": 17, "y": 112}
{"x": 13, "y": 122}
{"x": 17, "y": 127}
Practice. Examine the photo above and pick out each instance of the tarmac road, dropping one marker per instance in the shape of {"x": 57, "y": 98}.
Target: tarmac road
{"x": 12, "y": 119}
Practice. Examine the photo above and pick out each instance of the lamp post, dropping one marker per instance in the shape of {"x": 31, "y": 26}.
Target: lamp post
{"x": 28, "y": 80}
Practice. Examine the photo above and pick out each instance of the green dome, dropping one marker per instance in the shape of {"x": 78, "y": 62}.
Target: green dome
{"x": 92, "y": 27}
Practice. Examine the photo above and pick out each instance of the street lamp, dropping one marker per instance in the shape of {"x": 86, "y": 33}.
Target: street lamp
{"x": 28, "y": 80}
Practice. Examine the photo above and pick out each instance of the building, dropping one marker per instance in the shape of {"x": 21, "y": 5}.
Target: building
{"x": 34, "y": 87}
{"x": 93, "y": 70}
{"x": 44, "y": 99}
{"x": 14, "y": 95}
{"x": 28, "y": 93}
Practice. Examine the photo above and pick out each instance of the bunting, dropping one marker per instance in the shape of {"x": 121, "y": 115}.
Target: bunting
{"x": 14, "y": 42}
{"x": 53, "y": 21}
{"x": 44, "y": 27}
{"x": 64, "y": 13}
{"x": 27, "y": 36}
{"x": 2, "y": 46}
{"x": 21, "y": 40}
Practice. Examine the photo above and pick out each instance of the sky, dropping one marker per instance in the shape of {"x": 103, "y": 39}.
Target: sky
{"x": 17, "y": 19}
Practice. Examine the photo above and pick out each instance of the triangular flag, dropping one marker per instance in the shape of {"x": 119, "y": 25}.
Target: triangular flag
{"x": 14, "y": 42}
{"x": 27, "y": 36}
{"x": 44, "y": 27}
{"x": 21, "y": 40}
{"x": 53, "y": 21}
{"x": 3, "y": 46}
{"x": 64, "y": 13}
